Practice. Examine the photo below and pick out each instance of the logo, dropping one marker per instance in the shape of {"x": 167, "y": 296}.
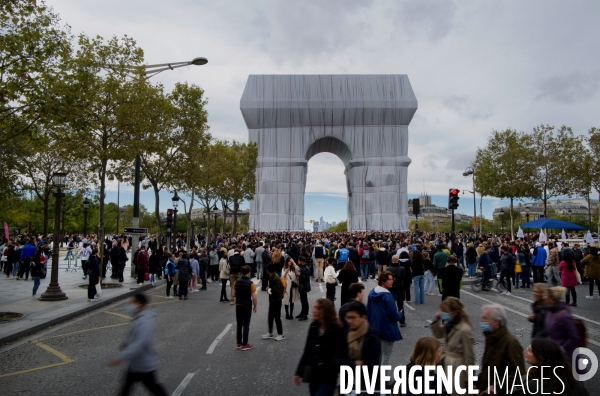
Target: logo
{"x": 584, "y": 361}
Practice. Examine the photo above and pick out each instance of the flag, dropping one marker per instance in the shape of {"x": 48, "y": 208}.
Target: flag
{"x": 6, "y": 234}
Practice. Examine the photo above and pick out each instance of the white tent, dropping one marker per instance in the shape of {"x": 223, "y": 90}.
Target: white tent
{"x": 542, "y": 236}
{"x": 564, "y": 234}
{"x": 520, "y": 233}
{"x": 589, "y": 238}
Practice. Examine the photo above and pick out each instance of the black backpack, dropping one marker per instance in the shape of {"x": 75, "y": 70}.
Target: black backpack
{"x": 235, "y": 264}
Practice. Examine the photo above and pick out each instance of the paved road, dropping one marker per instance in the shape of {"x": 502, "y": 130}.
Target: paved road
{"x": 71, "y": 358}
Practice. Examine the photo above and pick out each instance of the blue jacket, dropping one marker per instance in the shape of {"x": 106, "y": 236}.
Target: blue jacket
{"x": 139, "y": 348}
{"x": 28, "y": 251}
{"x": 170, "y": 269}
{"x": 539, "y": 257}
{"x": 383, "y": 314}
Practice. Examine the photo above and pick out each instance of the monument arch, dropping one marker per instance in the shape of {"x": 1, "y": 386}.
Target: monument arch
{"x": 363, "y": 119}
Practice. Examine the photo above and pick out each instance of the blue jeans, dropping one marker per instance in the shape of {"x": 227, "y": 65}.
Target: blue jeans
{"x": 364, "y": 270}
{"x": 373, "y": 268}
{"x": 472, "y": 269}
{"x": 203, "y": 277}
{"x": 321, "y": 389}
{"x": 16, "y": 266}
{"x": 36, "y": 284}
{"x": 69, "y": 254}
{"x": 429, "y": 282}
{"x": 152, "y": 278}
{"x": 418, "y": 282}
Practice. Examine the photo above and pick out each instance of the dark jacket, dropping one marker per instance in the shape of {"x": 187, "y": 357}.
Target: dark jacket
{"x": 561, "y": 329}
{"x": 471, "y": 255}
{"x": 319, "y": 351}
{"x": 304, "y": 278}
{"x": 450, "y": 281}
{"x": 276, "y": 288}
{"x": 184, "y": 270}
{"x": 93, "y": 266}
{"x": 346, "y": 277}
{"x": 370, "y": 352}
{"x": 502, "y": 349}
{"x": 382, "y": 256}
{"x": 399, "y": 275}
{"x": 539, "y": 328}
{"x": 35, "y": 265}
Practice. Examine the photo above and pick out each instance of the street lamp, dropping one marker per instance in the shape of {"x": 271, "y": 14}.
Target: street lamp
{"x": 215, "y": 209}
{"x": 86, "y": 206}
{"x": 502, "y": 218}
{"x": 175, "y": 200}
{"x": 527, "y": 213}
{"x": 53, "y": 292}
{"x": 468, "y": 172}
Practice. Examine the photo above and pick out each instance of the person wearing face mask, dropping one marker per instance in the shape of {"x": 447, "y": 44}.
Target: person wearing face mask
{"x": 502, "y": 350}
{"x": 138, "y": 348}
{"x": 453, "y": 324}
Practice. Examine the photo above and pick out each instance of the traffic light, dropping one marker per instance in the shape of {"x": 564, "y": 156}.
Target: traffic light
{"x": 453, "y": 198}
{"x": 416, "y": 206}
{"x": 169, "y": 221}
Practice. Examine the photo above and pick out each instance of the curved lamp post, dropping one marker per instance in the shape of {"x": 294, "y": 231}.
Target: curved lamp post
{"x": 53, "y": 292}
{"x": 215, "y": 209}
{"x": 86, "y": 206}
{"x": 175, "y": 200}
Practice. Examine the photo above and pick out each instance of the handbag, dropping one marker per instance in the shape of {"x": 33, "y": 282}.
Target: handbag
{"x": 518, "y": 268}
{"x": 43, "y": 273}
{"x": 98, "y": 289}
{"x": 307, "y": 373}
{"x": 146, "y": 276}
{"x": 295, "y": 284}
{"x": 331, "y": 280}
{"x": 578, "y": 277}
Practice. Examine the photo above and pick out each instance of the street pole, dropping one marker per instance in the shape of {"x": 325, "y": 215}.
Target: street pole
{"x": 135, "y": 238}
{"x": 174, "y": 229}
{"x": 416, "y": 224}
{"x": 452, "y": 220}
{"x": 54, "y": 292}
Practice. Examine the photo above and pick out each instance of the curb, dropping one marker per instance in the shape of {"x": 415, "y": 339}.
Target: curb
{"x": 61, "y": 319}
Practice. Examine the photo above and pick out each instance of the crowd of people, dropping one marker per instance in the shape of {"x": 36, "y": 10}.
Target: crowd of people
{"x": 365, "y": 329}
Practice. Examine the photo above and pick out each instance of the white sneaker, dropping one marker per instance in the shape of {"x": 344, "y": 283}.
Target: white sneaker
{"x": 170, "y": 297}
{"x": 33, "y": 296}
{"x": 504, "y": 293}
{"x": 508, "y": 294}
{"x": 267, "y": 336}
{"x": 152, "y": 283}
{"x": 589, "y": 297}
{"x": 280, "y": 337}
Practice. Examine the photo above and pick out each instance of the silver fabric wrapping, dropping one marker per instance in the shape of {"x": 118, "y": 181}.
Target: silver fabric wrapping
{"x": 363, "y": 119}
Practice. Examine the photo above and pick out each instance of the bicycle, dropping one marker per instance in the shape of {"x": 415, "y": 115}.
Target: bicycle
{"x": 477, "y": 286}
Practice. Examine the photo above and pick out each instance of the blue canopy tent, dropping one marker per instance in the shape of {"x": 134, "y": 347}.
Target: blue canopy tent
{"x": 552, "y": 224}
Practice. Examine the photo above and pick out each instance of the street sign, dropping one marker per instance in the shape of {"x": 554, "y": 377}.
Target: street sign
{"x": 131, "y": 230}
{"x": 474, "y": 227}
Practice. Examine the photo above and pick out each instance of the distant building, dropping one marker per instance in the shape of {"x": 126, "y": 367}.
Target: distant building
{"x": 316, "y": 226}
{"x": 562, "y": 207}
{"x": 433, "y": 213}
{"x": 425, "y": 200}
{"x": 200, "y": 213}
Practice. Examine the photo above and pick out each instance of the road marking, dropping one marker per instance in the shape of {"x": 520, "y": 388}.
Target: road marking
{"x": 183, "y": 384}
{"x": 321, "y": 287}
{"x": 429, "y": 321}
{"x": 407, "y": 305}
{"x": 525, "y": 315}
{"x": 212, "y": 347}
{"x": 83, "y": 331}
{"x": 118, "y": 314}
{"x": 65, "y": 360}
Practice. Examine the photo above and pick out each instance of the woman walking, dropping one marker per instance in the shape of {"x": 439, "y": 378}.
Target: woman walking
{"x": 224, "y": 276}
{"x": 418, "y": 273}
{"x": 316, "y": 364}
{"x": 568, "y": 276}
{"x": 452, "y": 323}
{"x": 592, "y": 270}
{"x": 36, "y": 267}
{"x": 170, "y": 273}
{"x": 94, "y": 275}
{"x": 429, "y": 275}
{"x": 471, "y": 257}
{"x": 330, "y": 276}
{"x": 184, "y": 271}
{"x": 291, "y": 294}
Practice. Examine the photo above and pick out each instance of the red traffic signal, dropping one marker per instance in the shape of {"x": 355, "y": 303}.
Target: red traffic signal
{"x": 453, "y": 198}
{"x": 169, "y": 212}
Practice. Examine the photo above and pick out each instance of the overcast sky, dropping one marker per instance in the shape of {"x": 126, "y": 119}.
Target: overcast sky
{"x": 474, "y": 65}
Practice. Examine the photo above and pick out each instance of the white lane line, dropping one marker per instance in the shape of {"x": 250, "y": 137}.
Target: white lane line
{"x": 212, "y": 347}
{"x": 408, "y": 306}
{"x": 321, "y": 287}
{"x": 525, "y": 315}
{"x": 429, "y": 321}
{"x": 183, "y": 384}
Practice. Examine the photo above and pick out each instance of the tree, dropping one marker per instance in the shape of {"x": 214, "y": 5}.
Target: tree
{"x": 34, "y": 53}
{"x": 505, "y": 167}
{"x": 38, "y": 159}
{"x": 115, "y": 109}
{"x": 342, "y": 226}
{"x": 557, "y": 156}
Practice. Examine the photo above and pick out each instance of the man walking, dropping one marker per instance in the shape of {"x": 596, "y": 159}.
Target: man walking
{"x": 450, "y": 279}
{"x": 138, "y": 348}
{"x": 244, "y": 293}
{"x": 342, "y": 255}
{"x": 236, "y": 262}
{"x": 275, "y": 291}
{"x": 259, "y": 259}
{"x": 485, "y": 263}
{"x": 357, "y": 294}
{"x": 538, "y": 262}
{"x": 318, "y": 257}
{"x": 552, "y": 267}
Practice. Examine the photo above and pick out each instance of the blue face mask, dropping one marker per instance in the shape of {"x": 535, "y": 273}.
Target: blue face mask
{"x": 485, "y": 327}
{"x": 445, "y": 316}
{"x": 130, "y": 309}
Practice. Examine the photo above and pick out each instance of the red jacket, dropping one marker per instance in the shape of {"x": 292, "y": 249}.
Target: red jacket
{"x": 142, "y": 260}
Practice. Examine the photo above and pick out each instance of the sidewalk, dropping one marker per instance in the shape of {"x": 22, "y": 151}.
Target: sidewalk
{"x": 15, "y": 296}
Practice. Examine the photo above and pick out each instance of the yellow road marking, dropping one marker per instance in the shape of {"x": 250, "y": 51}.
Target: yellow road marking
{"x": 65, "y": 360}
{"x": 164, "y": 302}
{"x": 118, "y": 314}
{"x": 83, "y": 331}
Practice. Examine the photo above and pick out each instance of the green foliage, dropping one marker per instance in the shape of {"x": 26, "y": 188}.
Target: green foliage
{"x": 342, "y": 226}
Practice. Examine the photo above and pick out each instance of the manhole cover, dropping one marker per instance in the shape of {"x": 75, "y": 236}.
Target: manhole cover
{"x": 10, "y": 316}
{"x": 104, "y": 286}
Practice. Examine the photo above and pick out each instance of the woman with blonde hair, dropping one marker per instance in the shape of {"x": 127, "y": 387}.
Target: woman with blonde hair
{"x": 453, "y": 324}
{"x": 427, "y": 352}
{"x": 277, "y": 260}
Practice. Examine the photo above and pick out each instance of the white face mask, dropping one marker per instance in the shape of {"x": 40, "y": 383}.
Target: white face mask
{"x": 130, "y": 309}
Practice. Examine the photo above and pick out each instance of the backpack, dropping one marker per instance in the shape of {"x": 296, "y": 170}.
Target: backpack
{"x": 343, "y": 255}
{"x": 366, "y": 254}
{"x": 235, "y": 264}
{"x": 582, "y": 332}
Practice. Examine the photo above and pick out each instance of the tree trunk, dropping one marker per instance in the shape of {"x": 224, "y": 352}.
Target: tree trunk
{"x": 224, "y": 217}
{"x": 545, "y": 199}
{"x": 512, "y": 236}
{"x": 236, "y": 206}
{"x": 188, "y": 216}
{"x": 589, "y": 203}
{"x": 157, "y": 209}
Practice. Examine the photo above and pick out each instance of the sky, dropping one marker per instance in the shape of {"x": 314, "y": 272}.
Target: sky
{"x": 474, "y": 66}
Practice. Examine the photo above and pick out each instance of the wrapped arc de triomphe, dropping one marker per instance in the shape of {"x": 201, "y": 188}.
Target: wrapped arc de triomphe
{"x": 363, "y": 119}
